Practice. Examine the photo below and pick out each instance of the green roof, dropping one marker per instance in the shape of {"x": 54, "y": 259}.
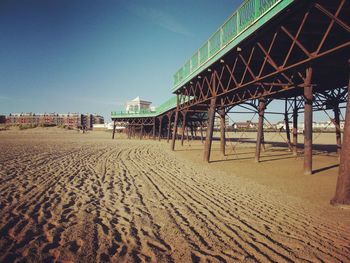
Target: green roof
{"x": 249, "y": 17}
{"x": 163, "y": 108}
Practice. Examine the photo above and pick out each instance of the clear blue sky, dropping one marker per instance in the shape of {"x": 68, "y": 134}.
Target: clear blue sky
{"x": 92, "y": 56}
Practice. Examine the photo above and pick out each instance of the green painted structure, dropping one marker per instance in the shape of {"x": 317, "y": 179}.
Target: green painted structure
{"x": 248, "y": 18}
{"x": 163, "y": 108}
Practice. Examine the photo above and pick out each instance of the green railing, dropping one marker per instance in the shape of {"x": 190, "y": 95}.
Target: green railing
{"x": 166, "y": 106}
{"x": 249, "y": 12}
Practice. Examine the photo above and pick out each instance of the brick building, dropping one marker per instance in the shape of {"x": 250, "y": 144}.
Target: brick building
{"x": 70, "y": 120}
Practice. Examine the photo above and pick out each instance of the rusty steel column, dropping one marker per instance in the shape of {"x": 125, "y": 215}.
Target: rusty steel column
{"x": 222, "y": 129}
{"x": 141, "y": 131}
{"x": 129, "y": 131}
{"x": 113, "y": 130}
{"x": 337, "y": 127}
{"x": 261, "y": 109}
{"x": 201, "y": 131}
{"x": 342, "y": 192}
{"x": 160, "y": 128}
{"x": 154, "y": 128}
{"x": 210, "y": 126}
{"x": 295, "y": 128}
{"x": 169, "y": 128}
{"x": 308, "y": 122}
{"x": 286, "y": 120}
{"x": 187, "y": 135}
{"x": 183, "y": 127}
{"x": 173, "y": 139}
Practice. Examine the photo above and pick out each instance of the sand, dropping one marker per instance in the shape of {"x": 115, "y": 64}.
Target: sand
{"x": 71, "y": 197}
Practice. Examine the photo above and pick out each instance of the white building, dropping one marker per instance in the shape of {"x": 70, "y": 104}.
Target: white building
{"x": 137, "y": 105}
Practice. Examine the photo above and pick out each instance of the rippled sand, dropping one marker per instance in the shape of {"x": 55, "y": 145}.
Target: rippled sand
{"x": 85, "y": 198}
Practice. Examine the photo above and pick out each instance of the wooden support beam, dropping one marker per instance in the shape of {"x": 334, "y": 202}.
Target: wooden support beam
{"x": 175, "y": 124}
{"x": 295, "y": 128}
{"x": 259, "y": 140}
{"x": 113, "y": 130}
{"x": 342, "y": 193}
{"x": 210, "y": 128}
{"x": 222, "y": 130}
{"x": 308, "y": 122}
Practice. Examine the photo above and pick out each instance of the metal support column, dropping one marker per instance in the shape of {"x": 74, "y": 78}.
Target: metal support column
{"x": 222, "y": 129}
{"x": 129, "y": 131}
{"x": 308, "y": 122}
{"x": 210, "y": 126}
{"x": 337, "y": 127}
{"x": 169, "y": 128}
{"x": 175, "y": 124}
{"x": 113, "y": 130}
{"x": 261, "y": 109}
{"x": 286, "y": 121}
{"x": 141, "y": 132}
{"x": 295, "y": 128}
{"x": 183, "y": 127}
{"x": 201, "y": 131}
{"x": 154, "y": 128}
{"x": 160, "y": 127}
{"x": 342, "y": 193}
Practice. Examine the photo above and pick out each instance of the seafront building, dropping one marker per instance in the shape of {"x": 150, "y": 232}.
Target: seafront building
{"x": 137, "y": 105}
{"x": 69, "y": 120}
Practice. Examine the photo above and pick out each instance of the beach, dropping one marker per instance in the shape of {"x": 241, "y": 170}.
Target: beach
{"x": 73, "y": 197}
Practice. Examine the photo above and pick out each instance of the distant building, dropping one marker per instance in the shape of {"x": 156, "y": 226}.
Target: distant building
{"x": 70, "y": 120}
{"x": 137, "y": 105}
{"x": 2, "y": 119}
{"x": 244, "y": 125}
{"x": 98, "y": 119}
{"x": 217, "y": 122}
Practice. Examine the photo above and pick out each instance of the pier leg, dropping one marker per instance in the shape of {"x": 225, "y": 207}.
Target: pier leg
{"x": 187, "y": 135}
{"x": 173, "y": 139}
{"x": 261, "y": 109}
{"x": 141, "y": 132}
{"x": 201, "y": 131}
{"x": 183, "y": 128}
{"x": 210, "y": 126}
{"x": 169, "y": 128}
{"x": 295, "y": 128}
{"x": 342, "y": 193}
{"x": 154, "y": 129}
{"x": 286, "y": 120}
{"x": 113, "y": 130}
{"x": 160, "y": 128}
{"x": 337, "y": 128}
{"x": 308, "y": 122}
{"x": 222, "y": 130}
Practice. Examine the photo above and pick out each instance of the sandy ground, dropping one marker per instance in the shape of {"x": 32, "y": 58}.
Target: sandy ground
{"x": 73, "y": 197}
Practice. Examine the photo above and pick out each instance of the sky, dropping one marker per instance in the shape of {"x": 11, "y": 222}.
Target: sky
{"x": 92, "y": 56}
